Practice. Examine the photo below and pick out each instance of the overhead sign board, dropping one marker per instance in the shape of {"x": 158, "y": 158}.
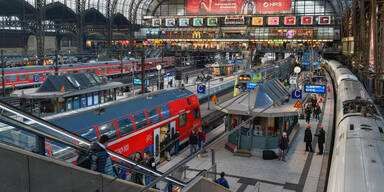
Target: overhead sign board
{"x": 198, "y": 22}
{"x": 289, "y": 20}
{"x": 324, "y": 20}
{"x": 293, "y": 80}
{"x": 156, "y": 22}
{"x": 212, "y": 22}
{"x": 183, "y": 22}
{"x": 201, "y": 89}
{"x": 238, "y": 7}
{"x": 257, "y": 21}
{"x": 234, "y": 19}
{"x": 306, "y": 20}
{"x": 314, "y": 88}
{"x": 297, "y": 94}
{"x": 170, "y": 22}
{"x": 273, "y": 20}
{"x": 253, "y": 85}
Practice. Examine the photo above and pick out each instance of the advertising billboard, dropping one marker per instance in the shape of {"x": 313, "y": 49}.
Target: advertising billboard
{"x": 257, "y": 21}
{"x": 306, "y": 20}
{"x": 273, "y": 20}
{"x": 212, "y": 22}
{"x": 289, "y": 20}
{"x": 183, "y": 22}
{"x": 234, "y": 20}
{"x": 156, "y": 22}
{"x": 246, "y": 7}
{"x": 170, "y": 22}
{"x": 198, "y": 22}
{"x": 324, "y": 20}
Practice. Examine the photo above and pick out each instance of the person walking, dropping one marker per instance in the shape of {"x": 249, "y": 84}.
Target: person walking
{"x": 321, "y": 139}
{"x": 193, "y": 139}
{"x": 222, "y": 181}
{"x": 283, "y": 146}
{"x": 202, "y": 137}
{"x": 101, "y": 161}
{"x": 317, "y": 112}
{"x": 177, "y": 142}
{"x": 308, "y": 139}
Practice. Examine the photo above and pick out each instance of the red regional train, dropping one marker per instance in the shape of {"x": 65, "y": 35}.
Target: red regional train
{"x": 134, "y": 124}
{"x": 30, "y": 76}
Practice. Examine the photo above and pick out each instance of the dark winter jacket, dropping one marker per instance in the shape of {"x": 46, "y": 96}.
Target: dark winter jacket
{"x": 321, "y": 136}
{"x": 193, "y": 139}
{"x": 283, "y": 143}
{"x": 101, "y": 161}
{"x": 308, "y": 135}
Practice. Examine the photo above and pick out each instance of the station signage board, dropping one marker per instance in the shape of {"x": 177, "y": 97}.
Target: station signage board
{"x": 306, "y": 20}
{"x": 273, "y": 20}
{"x": 289, "y": 20}
{"x": 314, "y": 88}
{"x": 212, "y": 22}
{"x": 183, "y": 22}
{"x": 257, "y": 21}
{"x": 198, "y": 22}
{"x": 324, "y": 20}
{"x": 234, "y": 20}
{"x": 170, "y": 22}
{"x": 156, "y": 22}
{"x": 239, "y": 7}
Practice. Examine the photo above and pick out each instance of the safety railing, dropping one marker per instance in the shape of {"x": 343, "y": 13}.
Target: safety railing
{"x": 23, "y": 130}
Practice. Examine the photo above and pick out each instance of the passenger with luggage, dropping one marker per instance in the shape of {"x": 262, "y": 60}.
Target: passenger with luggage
{"x": 283, "y": 146}
{"x": 222, "y": 181}
{"x": 321, "y": 139}
{"x": 101, "y": 161}
{"x": 308, "y": 139}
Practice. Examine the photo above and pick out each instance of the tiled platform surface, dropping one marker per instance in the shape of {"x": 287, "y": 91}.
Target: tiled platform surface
{"x": 301, "y": 172}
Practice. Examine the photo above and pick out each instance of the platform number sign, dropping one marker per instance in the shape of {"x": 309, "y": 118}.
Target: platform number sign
{"x": 36, "y": 78}
{"x": 201, "y": 89}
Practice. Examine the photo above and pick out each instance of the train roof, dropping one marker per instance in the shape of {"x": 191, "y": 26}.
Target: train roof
{"x": 85, "y": 118}
{"x": 364, "y": 154}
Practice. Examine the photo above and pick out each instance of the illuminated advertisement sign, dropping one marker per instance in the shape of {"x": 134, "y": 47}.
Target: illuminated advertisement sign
{"x": 290, "y": 34}
{"x": 273, "y": 20}
{"x": 156, "y": 22}
{"x": 212, "y": 22}
{"x": 198, "y": 22}
{"x": 170, "y": 22}
{"x": 246, "y": 7}
{"x": 183, "y": 22}
{"x": 234, "y": 20}
{"x": 289, "y": 20}
{"x": 257, "y": 21}
{"x": 306, "y": 20}
{"x": 324, "y": 20}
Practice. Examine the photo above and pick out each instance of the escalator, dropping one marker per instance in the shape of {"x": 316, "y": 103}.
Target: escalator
{"x": 40, "y": 144}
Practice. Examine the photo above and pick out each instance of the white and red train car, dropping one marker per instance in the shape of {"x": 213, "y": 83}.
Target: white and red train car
{"x": 30, "y": 76}
{"x": 134, "y": 124}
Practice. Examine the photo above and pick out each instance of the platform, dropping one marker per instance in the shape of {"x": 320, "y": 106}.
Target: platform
{"x": 303, "y": 171}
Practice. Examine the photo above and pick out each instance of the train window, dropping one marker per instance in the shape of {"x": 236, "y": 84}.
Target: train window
{"x": 182, "y": 120}
{"x": 30, "y": 77}
{"x": 125, "y": 126}
{"x": 153, "y": 115}
{"x": 165, "y": 112}
{"x": 108, "y": 129}
{"x": 23, "y": 77}
{"x": 12, "y": 78}
{"x": 88, "y": 133}
{"x": 196, "y": 113}
{"x": 140, "y": 120}
{"x": 118, "y": 67}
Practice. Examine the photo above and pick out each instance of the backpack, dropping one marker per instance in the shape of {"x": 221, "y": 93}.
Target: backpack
{"x": 84, "y": 159}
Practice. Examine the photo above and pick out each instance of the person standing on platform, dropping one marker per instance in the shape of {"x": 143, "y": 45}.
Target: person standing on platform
{"x": 317, "y": 112}
{"x": 222, "y": 181}
{"x": 168, "y": 146}
{"x": 308, "y": 139}
{"x": 283, "y": 146}
{"x": 193, "y": 139}
{"x": 149, "y": 162}
{"x": 101, "y": 161}
{"x": 137, "y": 177}
{"x": 308, "y": 114}
{"x": 321, "y": 140}
{"x": 177, "y": 142}
{"x": 202, "y": 137}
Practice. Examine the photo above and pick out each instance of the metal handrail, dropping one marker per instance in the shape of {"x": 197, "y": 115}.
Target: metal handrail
{"x": 61, "y": 131}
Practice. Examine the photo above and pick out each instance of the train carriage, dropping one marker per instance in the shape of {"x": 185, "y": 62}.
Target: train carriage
{"x": 136, "y": 124}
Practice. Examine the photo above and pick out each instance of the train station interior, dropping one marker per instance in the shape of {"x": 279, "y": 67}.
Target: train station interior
{"x": 192, "y": 95}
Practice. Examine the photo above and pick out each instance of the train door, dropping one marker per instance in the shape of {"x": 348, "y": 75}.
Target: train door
{"x": 156, "y": 144}
{"x": 173, "y": 128}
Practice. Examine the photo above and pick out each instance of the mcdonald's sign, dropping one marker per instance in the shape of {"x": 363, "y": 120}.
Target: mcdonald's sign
{"x": 196, "y": 35}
